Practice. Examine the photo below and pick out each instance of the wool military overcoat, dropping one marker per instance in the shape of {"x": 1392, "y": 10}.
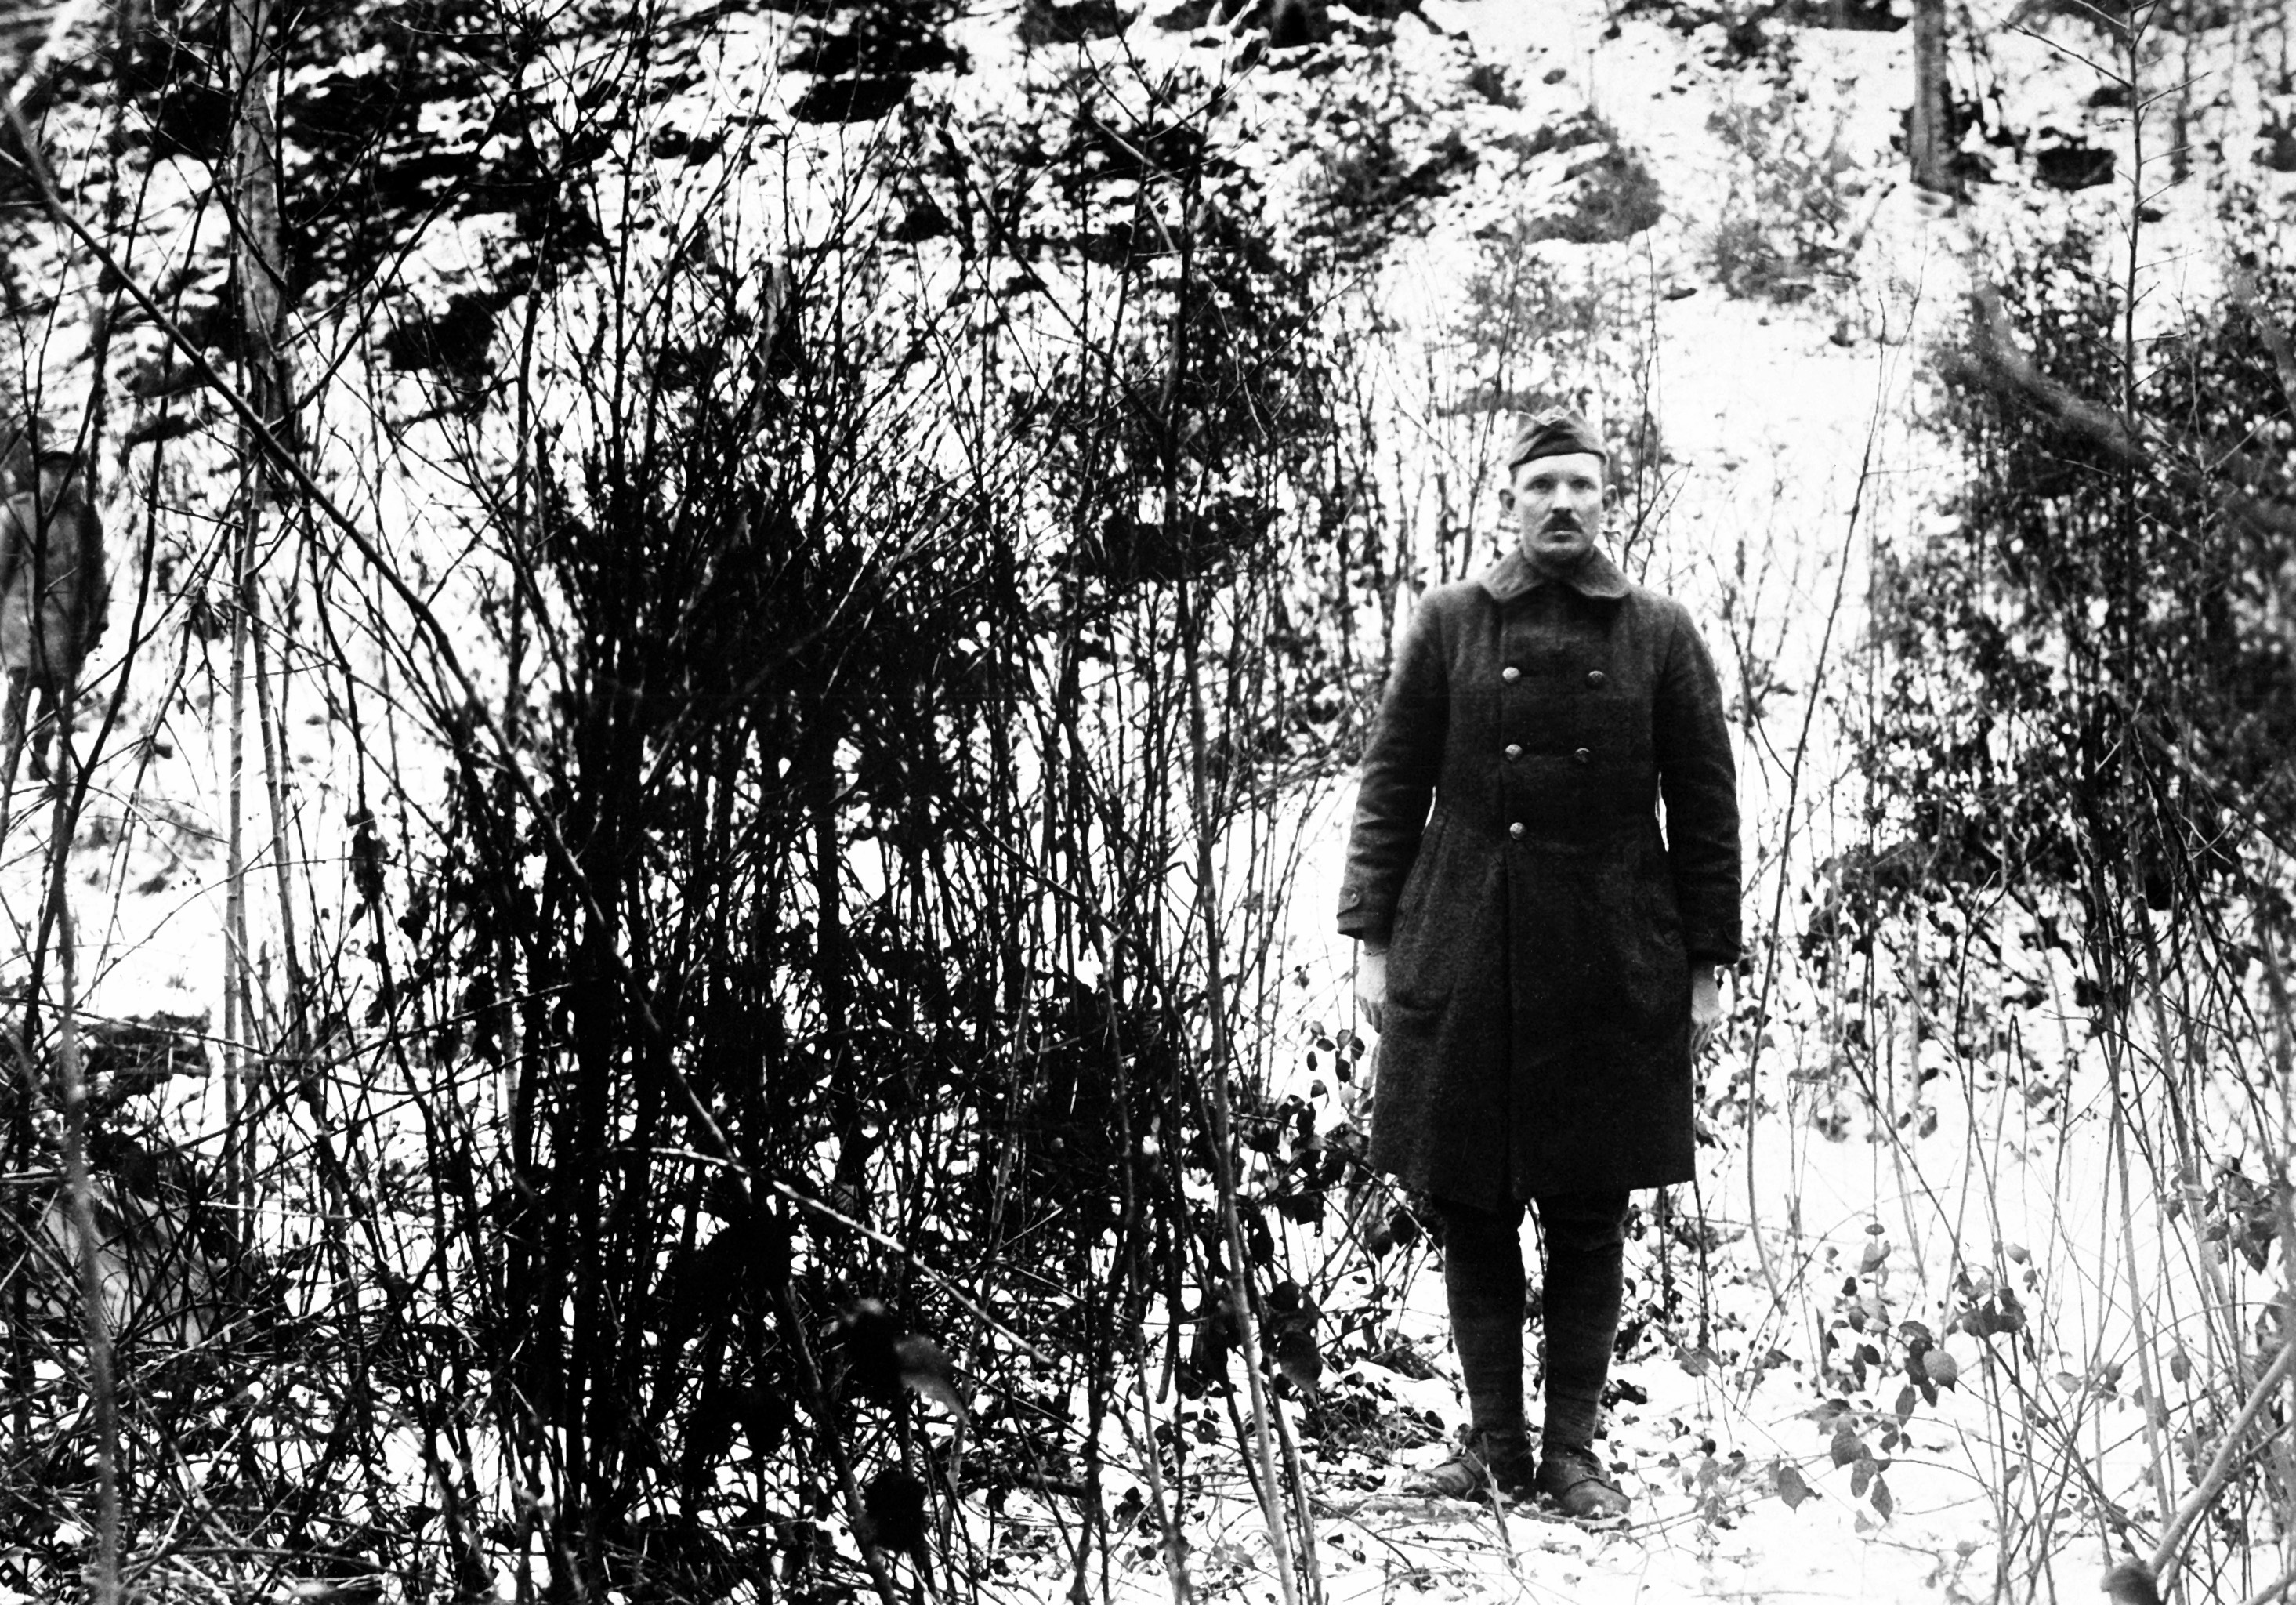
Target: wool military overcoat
{"x": 1507, "y": 844}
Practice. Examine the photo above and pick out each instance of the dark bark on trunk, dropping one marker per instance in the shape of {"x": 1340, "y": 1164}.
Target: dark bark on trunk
{"x": 1925, "y": 135}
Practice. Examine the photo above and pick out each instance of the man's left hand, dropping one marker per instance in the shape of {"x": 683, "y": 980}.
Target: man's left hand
{"x": 1705, "y": 1008}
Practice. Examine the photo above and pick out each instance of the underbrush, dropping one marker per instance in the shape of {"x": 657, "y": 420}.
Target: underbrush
{"x": 1782, "y": 233}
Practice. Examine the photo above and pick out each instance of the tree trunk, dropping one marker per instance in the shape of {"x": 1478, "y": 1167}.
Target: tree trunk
{"x": 1925, "y": 134}
{"x": 258, "y": 268}
{"x": 258, "y": 262}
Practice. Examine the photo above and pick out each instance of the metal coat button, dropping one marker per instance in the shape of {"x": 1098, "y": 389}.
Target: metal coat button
{"x": 1510, "y": 672}
{"x": 1596, "y": 677}
{"x": 1514, "y": 750}
{"x": 1515, "y": 829}
{"x": 1583, "y": 756}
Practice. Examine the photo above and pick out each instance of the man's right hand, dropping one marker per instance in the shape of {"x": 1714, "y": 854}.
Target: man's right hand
{"x": 1371, "y": 984}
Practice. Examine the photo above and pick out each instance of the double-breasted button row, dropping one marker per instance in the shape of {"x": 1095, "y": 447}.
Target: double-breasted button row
{"x": 1596, "y": 677}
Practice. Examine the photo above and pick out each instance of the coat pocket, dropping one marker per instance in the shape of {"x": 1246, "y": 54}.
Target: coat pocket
{"x": 1424, "y": 866}
{"x": 1417, "y": 973}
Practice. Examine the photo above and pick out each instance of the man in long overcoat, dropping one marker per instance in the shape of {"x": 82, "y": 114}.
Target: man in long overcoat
{"x": 1544, "y": 875}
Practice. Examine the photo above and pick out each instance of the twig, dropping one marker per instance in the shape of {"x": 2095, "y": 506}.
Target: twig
{"x": 817, "y": 1398}
{"x": 2271, "y": 1592}
{"x": 2165, "y": 1554}
{"x": 1267, "y": 1481}
{"x": 784, "y": 1191}
{"x": 79, "y": 1188}
{"x": 1777, "y": 905}
{"x": 1168, "y": 1522}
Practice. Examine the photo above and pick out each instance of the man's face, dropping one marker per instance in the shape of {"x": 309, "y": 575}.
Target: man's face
{"x": 1557, "y": 502}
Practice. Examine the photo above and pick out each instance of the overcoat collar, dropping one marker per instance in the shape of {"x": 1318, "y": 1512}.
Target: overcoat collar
{"x": 1515, "y": 574}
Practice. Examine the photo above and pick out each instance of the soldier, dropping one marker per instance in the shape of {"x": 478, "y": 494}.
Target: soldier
{"x": 1540, "y": 958}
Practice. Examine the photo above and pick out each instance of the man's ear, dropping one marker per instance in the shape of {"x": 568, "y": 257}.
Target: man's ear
{"x": 1506, "y": 499}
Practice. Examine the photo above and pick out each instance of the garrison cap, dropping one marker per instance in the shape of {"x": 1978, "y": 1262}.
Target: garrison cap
{"x": 1557, "y": 432}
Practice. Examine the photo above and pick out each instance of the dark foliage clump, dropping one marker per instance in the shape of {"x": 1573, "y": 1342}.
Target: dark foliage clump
{"x": 1781, "y": 232}
{"x": 888, "y": 36}
{"x": 1370, "y": 181}
{"x": 1613, "y": 198}
{"x": 2089, "y": 680}
{"x": 1050, "y": 22}
{"x": 1609, "y": 194}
